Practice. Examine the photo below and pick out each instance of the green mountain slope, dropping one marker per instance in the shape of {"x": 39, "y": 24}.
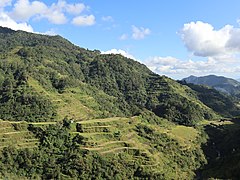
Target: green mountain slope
{"x": 71, "y": 113}
{"x": 222, "y": 150}
{"x": 139, "y": 147}
{"x": 223, "y": 104}
{"x": 59, "y": 74}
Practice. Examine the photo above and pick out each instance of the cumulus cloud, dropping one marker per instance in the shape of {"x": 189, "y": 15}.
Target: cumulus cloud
{"x": 139, "y": 32}
{"x": 6, "y": 21}
{"x": 55, "y": 13}
{"x": 233, "y": 42}
{"x": 18, "y": 16}
{"x": 23, "y": 9}
{"x": 203, "y": 40}
{"x": 220, "y": 49}
{"x": 177, "y": 68}
{"x": 55, "y": 17}
{"x": 84, "y": 20}
{"x": 118, "y": 51}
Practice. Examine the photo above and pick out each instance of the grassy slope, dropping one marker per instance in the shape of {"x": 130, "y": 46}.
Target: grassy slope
{"x": 172, "y": 154}
{"x": 111, "y": 136}
{"x": 67, "y": 104}
{"x": 16, "y": 134}
{"x": 120, "y": 135}
{"x": 75, "y": 103}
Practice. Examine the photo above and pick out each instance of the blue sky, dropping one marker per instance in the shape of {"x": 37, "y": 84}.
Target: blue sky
{"x": 173, "y": 38}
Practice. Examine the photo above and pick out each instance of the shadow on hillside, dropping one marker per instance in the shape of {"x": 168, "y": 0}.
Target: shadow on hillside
{"x": 222, "y": 151}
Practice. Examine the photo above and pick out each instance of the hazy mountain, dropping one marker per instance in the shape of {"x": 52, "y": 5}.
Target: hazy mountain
{"x": 223, "y": 84}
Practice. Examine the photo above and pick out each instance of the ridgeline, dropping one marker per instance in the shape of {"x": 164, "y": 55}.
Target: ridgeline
{"x": 71, "y": 113}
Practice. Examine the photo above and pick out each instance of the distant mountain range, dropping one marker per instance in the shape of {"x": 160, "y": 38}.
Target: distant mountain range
{"x": 220, "y": 83}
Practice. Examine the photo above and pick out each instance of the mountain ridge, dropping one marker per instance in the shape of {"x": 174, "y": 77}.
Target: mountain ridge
{"x": 221, "y": 83}
{"x": 80, "y": 114}
{"x": 57, "y": 65}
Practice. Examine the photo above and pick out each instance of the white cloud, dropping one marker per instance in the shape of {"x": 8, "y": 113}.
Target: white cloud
{"x": 233, "y": 43}
{"x": 4, "y": 3}
{"x": 118, "y": 51}
{"x": 6, "y": 21}
{"x": 220, "y": 48}
{"x": 108, "y": 18}
{"x": 55, "y": 13}
{"x": 55, "y": 17}
{"x": 23, "y": 9}
{"x": 75, "y": 8}
{"x": 203, "y": 40}
{"x": 140, "y": 33}
{"x": 84, "y": 20}
{"x": 123, "y": 37}
{"x": 178, "y": 69}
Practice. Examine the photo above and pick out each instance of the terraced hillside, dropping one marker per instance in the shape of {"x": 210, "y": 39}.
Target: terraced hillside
{"x": 149, "y": 146}
{"x": 73, "y": 113}
{"x": 16, "y": 134}
{"x": 74, "y": 103}
{"x": 114, "y": 134}
{"x": 109, "y": 135}
{"x": 159, "y": 149}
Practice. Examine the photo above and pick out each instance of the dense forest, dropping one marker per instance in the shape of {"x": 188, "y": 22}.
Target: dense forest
{"x": 222, "y": 103}
{"x": 72, "y": 113}
{"x": 57, "y": 65}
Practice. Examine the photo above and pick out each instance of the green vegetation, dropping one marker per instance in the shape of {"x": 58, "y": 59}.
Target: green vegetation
{"x": 18, "y": 101}
{"x": 124, "y": 148}
{"x": 223, "y": 104}
{"x": 17, "y": 134}
{"x": 62, "y": 76}
{"x": 72, "y": 113}
{"x": 222, "y": 150}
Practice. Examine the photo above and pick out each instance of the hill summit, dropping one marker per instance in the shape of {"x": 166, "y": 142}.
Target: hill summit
{"x": 39, "y": 75}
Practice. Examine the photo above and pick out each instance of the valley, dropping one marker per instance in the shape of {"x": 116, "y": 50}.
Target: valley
{"x": 71, "y": 113}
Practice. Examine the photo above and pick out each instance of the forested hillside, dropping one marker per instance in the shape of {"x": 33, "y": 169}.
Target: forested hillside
{"x": 51, "y": 62}
{"x": 225, "y": 105}
{"x": 72, "y": 113}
